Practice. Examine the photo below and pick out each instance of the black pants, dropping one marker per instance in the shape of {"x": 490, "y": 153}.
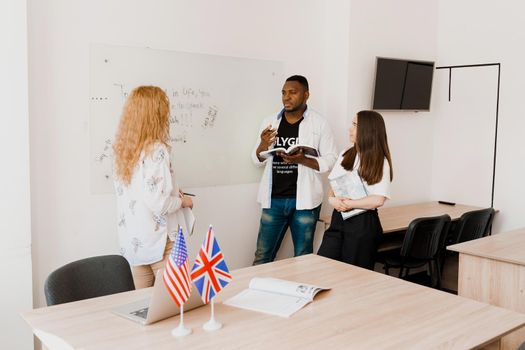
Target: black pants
{"x": 353, "y": 241}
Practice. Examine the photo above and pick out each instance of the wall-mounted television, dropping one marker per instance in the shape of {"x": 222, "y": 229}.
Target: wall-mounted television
{"x": 402, "y": 84}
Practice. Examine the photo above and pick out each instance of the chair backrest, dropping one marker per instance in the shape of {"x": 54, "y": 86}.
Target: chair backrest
{"x": 425, "y": 237}
{"x": 474, "y": 224}
{"x": 88, "y": 278}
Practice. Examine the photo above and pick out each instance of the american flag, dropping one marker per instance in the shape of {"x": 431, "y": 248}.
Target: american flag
{"x": 176, "y": 273}
{"x": 210, "y": 273}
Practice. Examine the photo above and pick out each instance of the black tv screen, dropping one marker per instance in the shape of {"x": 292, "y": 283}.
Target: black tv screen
{"x": 402, "y": 84}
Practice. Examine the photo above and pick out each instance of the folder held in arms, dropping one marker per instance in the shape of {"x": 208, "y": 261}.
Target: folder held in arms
{"x": 275, "y": 296}
{"x": 346, "y": 186}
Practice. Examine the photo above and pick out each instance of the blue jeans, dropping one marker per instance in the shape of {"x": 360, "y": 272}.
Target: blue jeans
{"x": 274, "y": 223}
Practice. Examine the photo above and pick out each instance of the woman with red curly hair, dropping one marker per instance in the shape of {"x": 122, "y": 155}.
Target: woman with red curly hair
{"x": 148, "y": 197}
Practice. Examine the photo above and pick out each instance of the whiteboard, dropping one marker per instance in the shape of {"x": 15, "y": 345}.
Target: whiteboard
{"x": 216, "y": 106}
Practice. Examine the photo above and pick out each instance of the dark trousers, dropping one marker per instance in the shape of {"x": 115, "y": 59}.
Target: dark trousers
{"x": 353, "y": 241}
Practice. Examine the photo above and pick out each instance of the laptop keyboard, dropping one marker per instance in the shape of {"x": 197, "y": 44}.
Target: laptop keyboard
{"x": 142, "y": 313}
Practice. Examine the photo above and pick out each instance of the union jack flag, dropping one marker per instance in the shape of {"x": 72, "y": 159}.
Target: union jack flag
{"x": 176, "y": 272}
{"x": 210, "y": 273}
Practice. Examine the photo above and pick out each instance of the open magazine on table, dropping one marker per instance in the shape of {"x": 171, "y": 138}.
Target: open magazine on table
{"x": 309, "y": 151}
{"x": 350, "y": 187}
{"x": 275, "y": 296}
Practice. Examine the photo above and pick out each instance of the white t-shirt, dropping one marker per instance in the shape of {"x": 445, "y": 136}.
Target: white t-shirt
{"x": 382, "y": 188}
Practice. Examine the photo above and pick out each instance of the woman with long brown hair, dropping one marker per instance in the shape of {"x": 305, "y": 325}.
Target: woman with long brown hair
{"x": 148, "y": 197}
{"x": 360, "y": 183}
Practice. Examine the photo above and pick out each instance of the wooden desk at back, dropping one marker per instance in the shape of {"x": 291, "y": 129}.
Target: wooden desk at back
{"x": 492, "y": 270}
{"x": 397, "y": 218}
{"x": 357, "y": 312}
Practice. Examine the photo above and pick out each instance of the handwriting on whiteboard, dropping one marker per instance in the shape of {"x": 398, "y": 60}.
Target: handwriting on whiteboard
{"x": 190, "y": 107}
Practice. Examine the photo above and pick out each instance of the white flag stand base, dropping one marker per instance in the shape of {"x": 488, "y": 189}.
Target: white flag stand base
{"x": 181, "y": 330}
{"x": 212, "y": 325}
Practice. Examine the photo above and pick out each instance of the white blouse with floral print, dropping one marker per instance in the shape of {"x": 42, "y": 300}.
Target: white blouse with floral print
{"x": 148, "y": 208}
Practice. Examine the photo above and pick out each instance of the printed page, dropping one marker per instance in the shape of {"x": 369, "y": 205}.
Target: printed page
{"x": 271, "y": 152}
{"x": 275, "y": 285}
{"x": 308, "y": 151}
{"x": 267, "y": 302}
{"x": 275, "y": 296}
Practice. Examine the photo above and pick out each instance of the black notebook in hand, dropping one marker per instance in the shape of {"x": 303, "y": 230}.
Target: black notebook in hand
{"x": 308, "y": 151}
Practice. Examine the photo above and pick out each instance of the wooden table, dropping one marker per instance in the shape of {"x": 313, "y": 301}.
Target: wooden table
{"x": 363, "y": 310}
{"x": 397, "y": 218}
{"x": 492, "y": 270}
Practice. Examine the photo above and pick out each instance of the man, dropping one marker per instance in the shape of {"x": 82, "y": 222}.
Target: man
{"x": 291, "y": 189}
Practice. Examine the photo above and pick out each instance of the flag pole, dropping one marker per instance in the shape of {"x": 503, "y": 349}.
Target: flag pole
{"x": 177, "y": 266}
{"x": 212, "y": 324}
{"x": 181, "y": 330}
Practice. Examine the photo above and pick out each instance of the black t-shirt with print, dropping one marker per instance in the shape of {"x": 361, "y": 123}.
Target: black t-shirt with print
{"x": 284, "y": 176}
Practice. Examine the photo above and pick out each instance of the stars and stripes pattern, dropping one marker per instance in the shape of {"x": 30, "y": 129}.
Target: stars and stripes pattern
{"x": 210, "y": 273}
{"x": 176, "y": 272}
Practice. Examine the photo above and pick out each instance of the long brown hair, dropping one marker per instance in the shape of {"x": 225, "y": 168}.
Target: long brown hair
{"x": 372, "y": 146}
{"x": 144, "y": 122}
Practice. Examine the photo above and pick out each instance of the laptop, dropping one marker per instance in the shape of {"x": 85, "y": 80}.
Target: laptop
{"x": 157, "y": 307}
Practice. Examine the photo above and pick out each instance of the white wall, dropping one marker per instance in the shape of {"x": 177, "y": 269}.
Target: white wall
{"x": 398, "y": 29}
{"x": 482, "y": 31}
{"x": 70, "y": 223}
{"x": 15, "y": 215}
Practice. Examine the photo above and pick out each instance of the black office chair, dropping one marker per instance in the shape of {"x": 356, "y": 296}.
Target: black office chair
{"x": 473, "y": 225}
{"x": 88, "y": 278}
{"x": 422, "y": 245}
